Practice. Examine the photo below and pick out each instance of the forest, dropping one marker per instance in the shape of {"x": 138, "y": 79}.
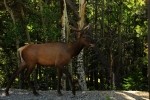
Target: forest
{"x": 119, "y": 60}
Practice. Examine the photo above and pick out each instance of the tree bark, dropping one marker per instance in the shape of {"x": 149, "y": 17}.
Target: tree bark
{"x": 17, "y": 40}
{"x": 42, "y": 16}
{"x": 10, "y": 11}
{"x": 117, "y": 74}
{"x": 65, "y": 36}
{"x": 18, "y": 16}
{"x": 103, "y": 25}
{"x": 149, "y": 46}
{"x": 80, "y": 69}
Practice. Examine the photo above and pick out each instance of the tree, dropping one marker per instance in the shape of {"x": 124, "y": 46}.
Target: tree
{"x": 65, "y": 34}
{"x": 149, "y": 46}
{"x": 80, "y": 70}
{"x": 119, "y": 28}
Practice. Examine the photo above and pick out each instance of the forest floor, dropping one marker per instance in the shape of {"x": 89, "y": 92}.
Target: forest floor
{"x": 18, "y": 94}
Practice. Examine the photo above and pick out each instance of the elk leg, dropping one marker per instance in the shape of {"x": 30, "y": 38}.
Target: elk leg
{"x": 20, "y": 69}
{"x": 59, "y": 82}
{"x": 70, "y": 80}
{"x": 31, "y": 84}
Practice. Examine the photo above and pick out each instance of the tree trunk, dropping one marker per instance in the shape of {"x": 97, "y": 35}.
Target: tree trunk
{"x": 17, "y": 40}
{"x": 80, "y": 70}
{"x": 91, "y": 78}
{"x": 42, "y": 16}
{"x": 103, "y": 24}
{"x": 111, "y": 73}
{"x": 65, "y": 38}
{"x": 117, "y": 72}
{"x": 96, "y": 78}
{"x": 149, "y": 46}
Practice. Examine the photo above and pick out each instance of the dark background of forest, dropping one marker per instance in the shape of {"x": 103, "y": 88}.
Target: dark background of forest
{"x": 119, "y": 27}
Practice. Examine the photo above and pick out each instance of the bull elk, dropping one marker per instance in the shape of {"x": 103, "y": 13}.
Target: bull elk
{"x": 47, "y": 54}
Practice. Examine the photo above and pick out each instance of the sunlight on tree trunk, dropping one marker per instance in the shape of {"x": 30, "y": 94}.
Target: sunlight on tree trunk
{"x": 82, "y": 77}
{"x": 65, "y": 25}
{"x": 65, "y": 38}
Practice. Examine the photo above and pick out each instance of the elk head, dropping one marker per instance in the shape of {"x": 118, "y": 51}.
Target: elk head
{"x": 83, "y": 36}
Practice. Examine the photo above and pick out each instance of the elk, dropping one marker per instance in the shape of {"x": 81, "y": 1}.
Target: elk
{"x": 57, "y": 54}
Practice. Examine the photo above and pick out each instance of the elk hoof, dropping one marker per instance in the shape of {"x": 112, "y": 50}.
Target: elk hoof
{"x": 74, "y": 93}
{"x": 6, "y": 93}
{"x": 72, "y": 96}
{"x": 60, "y": 94}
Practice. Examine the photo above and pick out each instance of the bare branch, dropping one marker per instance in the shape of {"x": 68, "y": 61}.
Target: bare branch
{"x": 73, "y": 8}
{"x": 10, "y": 11}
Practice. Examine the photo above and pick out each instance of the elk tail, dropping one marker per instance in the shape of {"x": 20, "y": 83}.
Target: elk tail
{"x": 20, "y": 52}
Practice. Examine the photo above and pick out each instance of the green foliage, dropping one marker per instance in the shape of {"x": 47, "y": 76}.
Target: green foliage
{"x": 1, "y": 78}
{"x": 108, "y": 97}
{"x": 135, "y": 81}
{"x": 120, "y": 28}
{"x": 43, "y": 27}
{"x": 128, "y": 83}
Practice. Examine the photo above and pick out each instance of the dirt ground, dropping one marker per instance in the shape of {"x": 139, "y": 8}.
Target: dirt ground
{"x": 18, "y": 94}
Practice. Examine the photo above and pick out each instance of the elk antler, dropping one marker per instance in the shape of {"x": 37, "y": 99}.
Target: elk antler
{"x": 80, "y": 32}
{"x": 87, "y": 26}
{"x": 75, "y": 29}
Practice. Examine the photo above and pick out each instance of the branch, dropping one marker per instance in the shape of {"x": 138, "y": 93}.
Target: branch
{"x": 73, "y": 8}
{"x": 10, "y": 11}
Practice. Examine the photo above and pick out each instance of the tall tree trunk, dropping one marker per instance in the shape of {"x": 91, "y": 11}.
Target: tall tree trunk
{"x": 117, "y": 74}
{"x": 80, "y": 70}
{"x": 149, "y": 46}
{"x": 111, "y": 73}
{"x": 103, "y": 25}
{"x": 18, "y": 17}
{"x": 17, "y": 39}
{"x": 102, "y": 70}
{"x": 65, "y": 37}
{"x": 91, "y": 78}
{"x": 42, "y": 16}
{"x": 24, "y": 25}
{"x": 10, "y": 11}
{"x": 95, "y": 63}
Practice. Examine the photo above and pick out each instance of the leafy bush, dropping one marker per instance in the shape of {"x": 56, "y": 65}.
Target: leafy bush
{"x": 135, "y": 81}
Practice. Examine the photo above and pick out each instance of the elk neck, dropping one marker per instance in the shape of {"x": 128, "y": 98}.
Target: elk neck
{"x": 75, "y": 48}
